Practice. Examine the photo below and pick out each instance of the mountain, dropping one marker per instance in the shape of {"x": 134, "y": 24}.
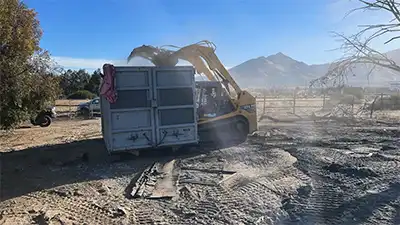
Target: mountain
{"x": 281, "y": 70}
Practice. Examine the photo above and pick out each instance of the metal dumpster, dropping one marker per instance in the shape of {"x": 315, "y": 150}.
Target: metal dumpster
{"x": 154, "y": 107}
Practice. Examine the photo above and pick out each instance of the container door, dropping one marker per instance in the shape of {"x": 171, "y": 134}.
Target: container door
{"x": 132, "y": 114}
{"x": 175, "y": 114}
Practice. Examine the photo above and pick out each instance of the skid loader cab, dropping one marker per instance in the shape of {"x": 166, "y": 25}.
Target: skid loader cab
{"x": 212, "y": 100}
{"x": 218, "y": 118}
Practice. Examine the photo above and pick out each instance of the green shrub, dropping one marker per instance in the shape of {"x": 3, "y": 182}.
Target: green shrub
{"x": 82, "y": 94}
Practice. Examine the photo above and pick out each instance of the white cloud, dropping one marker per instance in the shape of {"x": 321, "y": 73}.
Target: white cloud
{"x": 79, "y": 62}
{"x": 92, "y": 64}
{"x": 70, "y": 62}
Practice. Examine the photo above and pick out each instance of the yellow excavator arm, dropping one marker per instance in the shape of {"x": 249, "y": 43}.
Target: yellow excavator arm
{"x": 201, "y": 55}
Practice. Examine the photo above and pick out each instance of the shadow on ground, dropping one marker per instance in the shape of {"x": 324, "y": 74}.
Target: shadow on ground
{"x": 41, "y": 168}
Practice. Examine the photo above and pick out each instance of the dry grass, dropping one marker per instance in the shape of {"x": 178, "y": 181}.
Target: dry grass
{"x": 70, "y": 102}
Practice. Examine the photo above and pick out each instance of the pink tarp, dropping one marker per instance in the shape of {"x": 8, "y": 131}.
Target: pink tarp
{"x": 107, "y": 85}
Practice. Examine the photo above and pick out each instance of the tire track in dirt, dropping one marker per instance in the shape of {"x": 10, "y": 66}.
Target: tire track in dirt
{"x": 72, "y": 208}
{"x": 251, "y": 196}
{"x": 340, "y": 185}
{"x": 295, "y": 176}
{"x": 151, "y": 213}
{"x": 334, "y": 174}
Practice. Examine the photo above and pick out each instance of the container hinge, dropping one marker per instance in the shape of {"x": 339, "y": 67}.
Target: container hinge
{"x": 154, "y": 103}
{"x": 148, "y": 139}
{"x": 162, "y": 139}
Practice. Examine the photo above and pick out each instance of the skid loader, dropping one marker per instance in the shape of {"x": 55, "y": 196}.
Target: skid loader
{"x": 225, "y": 111}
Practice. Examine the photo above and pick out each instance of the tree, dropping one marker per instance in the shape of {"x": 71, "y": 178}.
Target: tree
{"x": 94, "y": 82}
{"x": 74, "y": 80}
{"x": 357, "y": 47}
{"x": 66, "y": 82}
{"x": 27, "y": 73}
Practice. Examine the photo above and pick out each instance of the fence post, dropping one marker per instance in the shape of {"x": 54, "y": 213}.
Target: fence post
{"x": 294, "y": 102}
{"x": 69, "y": 110}
{"x": 382, "y": 105}
{"x": 264, "y": 103}
{"x": 352, "y": 106}
{"x": 324, "y": 101}
{"x": 373, "y": 106}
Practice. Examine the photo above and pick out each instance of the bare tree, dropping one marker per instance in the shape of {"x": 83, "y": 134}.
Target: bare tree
{"x": 357, "y": 47}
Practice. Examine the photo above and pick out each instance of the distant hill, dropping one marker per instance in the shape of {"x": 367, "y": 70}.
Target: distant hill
{"x": 281, "y": 70}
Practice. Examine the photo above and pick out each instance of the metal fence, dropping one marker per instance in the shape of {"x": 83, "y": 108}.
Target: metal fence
{"x": 350, "y": 105}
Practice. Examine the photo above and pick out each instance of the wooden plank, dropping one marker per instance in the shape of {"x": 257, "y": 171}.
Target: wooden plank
{"x": 165, "y": 186}
{"x": 139, "y": 184}
{"x": 209, "y": 170}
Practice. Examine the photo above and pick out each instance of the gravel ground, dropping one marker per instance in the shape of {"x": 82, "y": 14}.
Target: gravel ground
{"x": 297, "y": 173}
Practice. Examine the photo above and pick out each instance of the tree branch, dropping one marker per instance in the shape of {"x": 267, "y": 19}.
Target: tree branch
{"x": 356, "y": 53}
{"x": 388, "y": 6}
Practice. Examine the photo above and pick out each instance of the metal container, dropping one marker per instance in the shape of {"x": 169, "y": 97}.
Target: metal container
{"x": 155, "y": 107}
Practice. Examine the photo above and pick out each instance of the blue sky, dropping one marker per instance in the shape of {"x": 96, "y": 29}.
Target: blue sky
{"x": 88, "y": 33}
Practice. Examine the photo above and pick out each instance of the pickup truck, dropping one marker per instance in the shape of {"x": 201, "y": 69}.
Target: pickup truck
{"x": 86, "y": 108}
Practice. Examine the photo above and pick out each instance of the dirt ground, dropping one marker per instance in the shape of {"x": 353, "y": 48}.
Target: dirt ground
{"x": 59, "y": 132}
{"x": 322, "y": 172}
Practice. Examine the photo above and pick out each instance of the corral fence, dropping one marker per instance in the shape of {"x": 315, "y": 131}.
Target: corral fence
{"x": 297, "y": 105}
{"x": 68, "y": 108}
{"x": 303, "y": 105}
{"x": 292, "y": 105}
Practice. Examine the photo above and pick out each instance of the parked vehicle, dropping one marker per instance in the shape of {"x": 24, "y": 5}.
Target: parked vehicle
{"x": 44, "y": 117}
{"x": 85, "y": 109}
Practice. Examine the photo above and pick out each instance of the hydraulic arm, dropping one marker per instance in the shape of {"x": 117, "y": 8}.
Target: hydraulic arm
{"x": 201, "y": 55}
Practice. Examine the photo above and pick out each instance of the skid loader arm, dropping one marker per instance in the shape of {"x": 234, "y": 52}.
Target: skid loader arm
{"x": 158, "y": 56}
{"x": 202, "y": 56}
{"x": 204, "y": 51}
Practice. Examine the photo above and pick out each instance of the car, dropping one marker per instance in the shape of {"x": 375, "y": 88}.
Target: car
{"x": 92, "y": 107}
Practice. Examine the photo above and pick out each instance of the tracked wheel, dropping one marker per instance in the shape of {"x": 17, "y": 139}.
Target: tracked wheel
{"x": 229, "y": 131}
{"x": 242, "y": 130}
